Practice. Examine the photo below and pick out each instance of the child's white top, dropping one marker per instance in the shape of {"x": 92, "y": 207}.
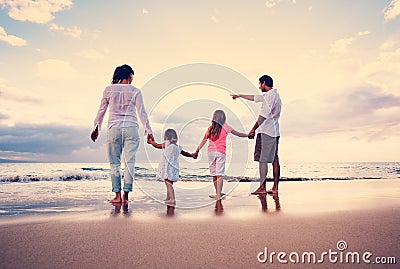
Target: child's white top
{"x": 168, "y": 168}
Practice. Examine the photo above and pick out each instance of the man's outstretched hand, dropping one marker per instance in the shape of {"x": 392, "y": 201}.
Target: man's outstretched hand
{"x": 95, "y": 134}
{"x": 235, "y": 96}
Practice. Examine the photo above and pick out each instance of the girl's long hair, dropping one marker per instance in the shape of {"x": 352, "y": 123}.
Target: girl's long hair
{"x": 218, "y": 120}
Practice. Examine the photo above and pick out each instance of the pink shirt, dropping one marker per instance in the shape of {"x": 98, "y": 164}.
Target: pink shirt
{"x": 220, "y": 143}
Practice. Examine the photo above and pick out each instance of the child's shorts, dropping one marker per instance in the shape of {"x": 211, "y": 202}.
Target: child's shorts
{"x": 216, "y": 161}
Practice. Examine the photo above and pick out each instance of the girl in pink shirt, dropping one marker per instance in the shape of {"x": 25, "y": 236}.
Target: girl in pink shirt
{"x": 216, "y": 134}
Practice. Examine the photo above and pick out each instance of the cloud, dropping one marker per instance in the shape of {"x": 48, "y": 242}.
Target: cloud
{"x": 364, "y": 105}
{"x": 92, "y": 54}
{"x": 392, "y": 11}
{"x": 8, "y": 92}
{"x": 363, "y": 109}
{"x": 73, "y": 32}
{"x": 363, "y": 33}
{"x": 272, "y": 3}
{"x": 390, "y": 56}
{"x": 3, "y": 116}
{"x": 11, "y": 39}
{"x": 340, "y": 46}
{"x": 53, "y": 68}
{"x": 37, "y": 11}
{"x": 214, "y": 19}
{"x": 384, "y": 71}
{"x": 46, "y": 139}
{"x": 388, "y": 44}
{"x": 55, "y": 27}
{"x": 58, "y": 143}
{"x": 216, "y": 15}
{"x": 367, "y": 99}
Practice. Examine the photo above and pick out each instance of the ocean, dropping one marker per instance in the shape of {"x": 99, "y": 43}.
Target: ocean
{"x": 28, "y": 189}
{"x": 55, "y": 172}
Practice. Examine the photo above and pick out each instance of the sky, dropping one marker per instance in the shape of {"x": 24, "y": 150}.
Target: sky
{"x": 335, "y": 63}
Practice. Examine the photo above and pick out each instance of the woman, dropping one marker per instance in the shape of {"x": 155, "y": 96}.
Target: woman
{"x": 122, "y": 134}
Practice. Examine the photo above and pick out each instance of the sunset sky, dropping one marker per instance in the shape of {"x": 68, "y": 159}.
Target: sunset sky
{"x": 335, "y": 63}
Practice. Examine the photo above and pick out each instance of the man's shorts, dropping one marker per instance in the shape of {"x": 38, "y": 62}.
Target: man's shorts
{"x": 216, "y": 162}
{"x": 266, "y": 148}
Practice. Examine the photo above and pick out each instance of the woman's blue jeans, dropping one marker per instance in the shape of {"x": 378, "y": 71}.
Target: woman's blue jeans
{"x": 122, "y": 140}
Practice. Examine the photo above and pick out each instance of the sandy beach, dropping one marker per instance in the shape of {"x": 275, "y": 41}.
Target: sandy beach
{"x": 345, "y": 219}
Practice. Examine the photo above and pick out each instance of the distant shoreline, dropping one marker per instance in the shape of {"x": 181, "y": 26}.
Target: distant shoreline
{"x": 15, "y": 161}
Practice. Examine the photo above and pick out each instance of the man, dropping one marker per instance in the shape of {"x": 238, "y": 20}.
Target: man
{"x": 266, "y": 149}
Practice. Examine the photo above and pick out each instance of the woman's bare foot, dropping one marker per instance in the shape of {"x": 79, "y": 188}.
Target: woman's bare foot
{"x": 115, "y": 200}
{"x": 272, "y": 191}
{"x": 125, "y": 198}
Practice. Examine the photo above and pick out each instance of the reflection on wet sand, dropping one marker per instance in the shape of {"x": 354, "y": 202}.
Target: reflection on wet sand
{"x": 219, "y": 209}
{"x": 170, "y": 210}
{"x": 123, "y": 208}
{"x": 264, "y": 205}
{"x": 117, "y": 209}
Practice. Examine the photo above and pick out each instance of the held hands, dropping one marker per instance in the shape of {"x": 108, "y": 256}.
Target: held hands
{"x": 195, "y": 155}
{"x": 150, "y": 139}
{"x": 251, "y": 134}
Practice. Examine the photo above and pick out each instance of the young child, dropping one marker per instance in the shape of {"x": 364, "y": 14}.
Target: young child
{"x": 168, "y": 168}
{"x": 216, "y": 134}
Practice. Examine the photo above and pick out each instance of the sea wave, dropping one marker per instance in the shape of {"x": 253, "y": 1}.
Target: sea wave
{"x": 152, "y": 177}
{"x": 65, "y": 177}
{"x": 294, "y": 172}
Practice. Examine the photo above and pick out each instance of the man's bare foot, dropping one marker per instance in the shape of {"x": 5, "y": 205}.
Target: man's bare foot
{"x": 272, "y": 191}
{"x": 170, "y": 202}
{"x": 259, "y": 191}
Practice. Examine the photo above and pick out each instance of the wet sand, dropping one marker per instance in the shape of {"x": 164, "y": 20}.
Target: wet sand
{"x": 235, "y": 233}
